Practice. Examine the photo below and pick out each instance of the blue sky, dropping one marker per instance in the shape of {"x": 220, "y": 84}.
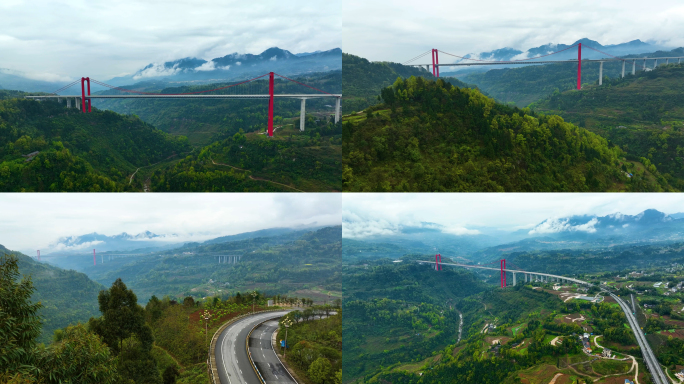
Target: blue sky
{"x": 58, "y": 40}
{"x": 399, "y": 30}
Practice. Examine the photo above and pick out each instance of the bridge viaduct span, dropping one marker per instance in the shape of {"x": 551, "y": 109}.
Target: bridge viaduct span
{"x": 466, "y": 61}
{"x": 652, "y": 363}
{"x": 83, "y": 101}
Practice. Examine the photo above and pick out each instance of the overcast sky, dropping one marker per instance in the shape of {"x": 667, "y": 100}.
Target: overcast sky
{"x": 461, "y": 213}
{"x": 32, "y": 221}
{"x": 62, "y": 40}
{"x": 402, "y": 29}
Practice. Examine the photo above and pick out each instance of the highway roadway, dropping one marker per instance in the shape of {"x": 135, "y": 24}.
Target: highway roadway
{"x": 232, "y": 361}
{"x": 650, "y": 359}
{"x": 264, "y": 356}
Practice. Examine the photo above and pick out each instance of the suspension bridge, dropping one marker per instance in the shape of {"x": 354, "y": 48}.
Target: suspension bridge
{"x": 241, "y": 90}
{"x": 652, "y": 363}
{"x": 536, "y": 61}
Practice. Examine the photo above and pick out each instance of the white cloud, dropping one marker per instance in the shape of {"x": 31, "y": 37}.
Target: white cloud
{"x": 182, "y": 216}
{"x": 274, "y": 58}
{"x": 408, "y": 28}
{"x": 46, "y": 36}
{"x": 156, "y": 70}
{"x": 55, "y": 247}
{"x": 460, "y": 231}
{"x": 562, "y": 225}
{"x": 42, "y": 76}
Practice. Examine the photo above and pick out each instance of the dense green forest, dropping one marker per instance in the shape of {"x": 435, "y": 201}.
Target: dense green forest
{"x": 642, "y": 114}
{"x": 77, "y": 152}
{"x": 67, "y": 297}
{"x": 314, "y": 346}
{"x": 433, "y": 136}
{"x": 303, "y": 264}
{"x": 523, "y": 85}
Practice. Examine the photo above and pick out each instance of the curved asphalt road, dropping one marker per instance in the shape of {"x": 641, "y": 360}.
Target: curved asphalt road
{"x": 264, "y": 356}
{"x": 231, "y": 355}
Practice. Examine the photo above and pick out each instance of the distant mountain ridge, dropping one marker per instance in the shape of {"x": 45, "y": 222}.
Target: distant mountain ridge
{"x": 237, "y": 65}
{"x": 195, "y": 70}
{"x": 579, "y": 231}
{"x": 504, "y": 54}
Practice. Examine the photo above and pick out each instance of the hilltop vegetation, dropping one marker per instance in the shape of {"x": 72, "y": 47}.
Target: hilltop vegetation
{"x": 642, "y": 114}
{"x": 363, "y": 80}
{"x": 78, "y": 152}
{"x": 433, "y": 136}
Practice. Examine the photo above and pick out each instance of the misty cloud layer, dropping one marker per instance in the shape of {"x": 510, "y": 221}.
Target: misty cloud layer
{"x": 58, "y": 40}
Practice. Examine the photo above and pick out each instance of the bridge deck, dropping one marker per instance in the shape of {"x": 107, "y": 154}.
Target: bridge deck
{"x": 545, "y": 61}
{"x": 266, "y": 96}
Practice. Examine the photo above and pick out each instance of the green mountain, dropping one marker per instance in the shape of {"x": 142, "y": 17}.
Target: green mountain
{"x": 643, "y": 114}
{"x": 433, "y": 136}
{"x": 302, "y": 264}
{"x": 97, "y": 151}
{"x": 68, "y": 297}
{"x": 363, "y": 80}
{"x": 521, "y": 86}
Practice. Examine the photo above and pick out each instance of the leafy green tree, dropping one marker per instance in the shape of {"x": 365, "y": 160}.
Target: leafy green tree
{"x": 136, "y": 363}
{"x": 121, "y": 317}
{"x": 319, "y": 371}
{"x": 80, "y": 357}
{"x": 20, "y": 324}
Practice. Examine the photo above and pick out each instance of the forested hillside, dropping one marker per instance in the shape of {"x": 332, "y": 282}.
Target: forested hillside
{"x": 433, "y": 136}
{"x": 97, "y": 151}
{"x": 643, "y": 114}
{"x": 363, "y": 80}
{"x": 526, "y": 84}
{"x": 67, "y": 297}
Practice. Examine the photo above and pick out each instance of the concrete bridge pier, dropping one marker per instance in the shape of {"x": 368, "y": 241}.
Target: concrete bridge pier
{"x": 655, "y": 63}
{"x": 78, "y": 104}
{"x": 667, "y": 61}
{"x": 514, "y": 279}
{"x": 302, "y": 115}
{"x": 633, "y": 67}
{"x": 644, "y": 64}
{"x": 601, "y": 73}
{"x": 338, "y": 105}
{"x": 623, "y": 69}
